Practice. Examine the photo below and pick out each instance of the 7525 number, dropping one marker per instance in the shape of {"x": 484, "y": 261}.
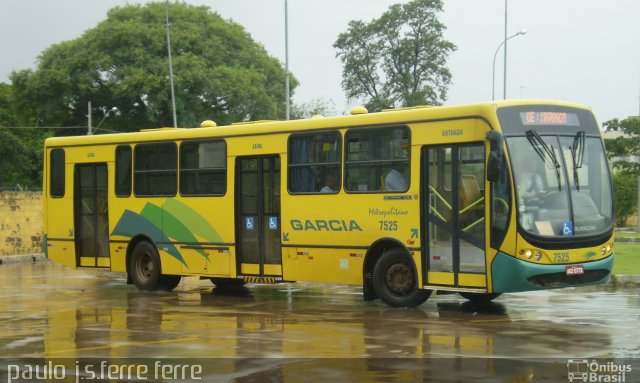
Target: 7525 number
{"x": 388, "y": 225}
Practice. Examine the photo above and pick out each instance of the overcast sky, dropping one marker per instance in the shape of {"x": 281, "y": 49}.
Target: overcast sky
{"x": 585, "y": 51}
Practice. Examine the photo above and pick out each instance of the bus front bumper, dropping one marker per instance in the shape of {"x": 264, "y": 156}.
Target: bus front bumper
{"x": 510, "y": 274}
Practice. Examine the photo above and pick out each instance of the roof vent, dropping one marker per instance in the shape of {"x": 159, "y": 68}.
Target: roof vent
{"x": 208, "y": 124}
{"x": 359, "y": 110}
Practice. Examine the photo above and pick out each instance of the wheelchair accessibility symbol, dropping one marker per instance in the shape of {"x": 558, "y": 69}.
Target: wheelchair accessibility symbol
{"x": 249, "y": 223}
{"x": 567, "y": 228}
{"x": 273, "y": 223}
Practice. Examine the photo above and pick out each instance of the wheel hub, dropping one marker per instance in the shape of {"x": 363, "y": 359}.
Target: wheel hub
{"x": 399, "y": 278}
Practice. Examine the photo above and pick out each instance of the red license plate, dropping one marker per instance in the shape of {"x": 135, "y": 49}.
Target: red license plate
{"x": 574, "y": 270}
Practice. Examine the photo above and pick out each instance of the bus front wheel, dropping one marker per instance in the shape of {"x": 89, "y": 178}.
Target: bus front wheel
{"x": 395, "y": 280}
{"x": 146, "y": 272}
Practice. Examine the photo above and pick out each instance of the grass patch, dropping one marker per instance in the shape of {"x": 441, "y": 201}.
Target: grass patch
{"x": 627, "y": 258}
{"x": 626, "y": 234}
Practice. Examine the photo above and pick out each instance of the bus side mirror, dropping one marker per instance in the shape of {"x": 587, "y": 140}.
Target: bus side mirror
{"x": 495, "y": 156}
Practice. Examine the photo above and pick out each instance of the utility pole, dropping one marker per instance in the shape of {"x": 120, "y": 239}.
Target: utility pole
{"x": 173, "y": 95}
{"x": 89, "y": 128}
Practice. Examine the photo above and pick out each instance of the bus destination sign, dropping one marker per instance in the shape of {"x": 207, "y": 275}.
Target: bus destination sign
{"x": 549, "y": 118}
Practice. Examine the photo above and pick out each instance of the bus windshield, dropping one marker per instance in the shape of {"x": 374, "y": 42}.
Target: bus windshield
{"x": 561, "y": 174}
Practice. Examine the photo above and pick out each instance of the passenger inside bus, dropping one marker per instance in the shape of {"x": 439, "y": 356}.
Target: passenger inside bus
{"x": 330, "y": 183}
{"x": 395, "y": 181}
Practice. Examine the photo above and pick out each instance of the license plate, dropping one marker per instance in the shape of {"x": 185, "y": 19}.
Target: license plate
{"x": 574, "y": 270}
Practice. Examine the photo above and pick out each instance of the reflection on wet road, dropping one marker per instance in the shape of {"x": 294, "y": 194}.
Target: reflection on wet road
{"x": 50, "y": 312}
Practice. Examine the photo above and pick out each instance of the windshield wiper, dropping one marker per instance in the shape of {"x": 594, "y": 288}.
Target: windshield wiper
{"x": 577, "y": 152}
{"x": 544, "y": 151}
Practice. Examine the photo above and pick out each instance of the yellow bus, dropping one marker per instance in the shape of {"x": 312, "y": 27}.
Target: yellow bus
{"x": 478, "y": 199}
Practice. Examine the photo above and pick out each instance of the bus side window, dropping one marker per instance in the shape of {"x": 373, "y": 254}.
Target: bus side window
{"x": 155, "y": 169}
{"x": 377, "y": 160}
{"x": 203, "y": 168}
{"x": 56, "y": 175}
{"x": 314, "y": 163}
{"x": 123, "y": 171}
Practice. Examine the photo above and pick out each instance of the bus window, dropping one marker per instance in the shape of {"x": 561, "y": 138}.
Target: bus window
{"x": 377, "y": 160}
{"x": 155, "y": 169}
{"x": 314, "y": 163}
{"x": 56, "y": 175}
{"x": 203, "y": 167}
{"x": 123, "y": 171}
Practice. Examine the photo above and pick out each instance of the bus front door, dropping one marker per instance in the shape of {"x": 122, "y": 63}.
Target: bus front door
{"x": 91, "y": 215}
{"x": 454, "y": 222}
{"x": 258, "y": 216}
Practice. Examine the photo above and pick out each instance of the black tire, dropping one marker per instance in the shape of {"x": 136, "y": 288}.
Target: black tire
{"x": 480, "y": 297}
{"x": 144, "y": 267}
{"x": 395, "y": 281}
{"x": 170, "y": 282}
{"x": 227, "y": 282}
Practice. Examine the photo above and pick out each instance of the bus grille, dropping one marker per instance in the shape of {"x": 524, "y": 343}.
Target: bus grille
{"x": 561, "y": 279}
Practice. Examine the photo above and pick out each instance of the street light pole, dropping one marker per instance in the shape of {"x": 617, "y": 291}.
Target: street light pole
{"x": 173, "y": 94}
{"x": 504, "y": 80}
{"x": 89, "y": 128}
{"x": 493, "y": 78}
{"x": 286, "y": 60}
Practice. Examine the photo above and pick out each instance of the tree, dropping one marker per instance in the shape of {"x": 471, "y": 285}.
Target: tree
{"x": 398, "y": 59}
{"x": 624, "y": 146}
{"x": 619, "y": 150}
{"x": 625, "y": 197}
{"x": 20, "y": 149}
{"x": 220, "y": 72}
{"x": 315, "y": 107}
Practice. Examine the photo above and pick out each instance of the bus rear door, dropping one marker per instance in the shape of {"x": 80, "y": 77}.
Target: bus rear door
{"x": 258, "y": 216}
{"x": 91, "y": 215}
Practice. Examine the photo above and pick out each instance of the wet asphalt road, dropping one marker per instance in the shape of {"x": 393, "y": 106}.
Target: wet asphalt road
{"x": 290, "y": 332}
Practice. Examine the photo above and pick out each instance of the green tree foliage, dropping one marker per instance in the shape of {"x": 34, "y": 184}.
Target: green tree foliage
{"x": 625, "y": 184}
{"x": 625, "y": 197}
{"x": 20, "y": 149}
{"x": 628, "y": 144}
{"x": 220, "y": 72}
{"x": 315, "y": 107}
{"x": 398, "y": 59}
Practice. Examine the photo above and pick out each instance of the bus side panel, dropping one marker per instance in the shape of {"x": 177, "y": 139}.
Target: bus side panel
{"x": 323, "y": 265}
{"x": 332, "y": 233}
{"x": 209, "y": 226}
{"x": 59, "y": 224}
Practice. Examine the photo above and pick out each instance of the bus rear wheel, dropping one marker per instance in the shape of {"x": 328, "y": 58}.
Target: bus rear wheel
{"x": 146, "y": 272}
{"x": 480, "y": 297}
{"x": 395, "y": 280}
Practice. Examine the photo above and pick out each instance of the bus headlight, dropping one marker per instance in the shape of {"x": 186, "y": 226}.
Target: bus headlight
{"x": 527, "y": 253}
{"x": 538, "y": 256}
